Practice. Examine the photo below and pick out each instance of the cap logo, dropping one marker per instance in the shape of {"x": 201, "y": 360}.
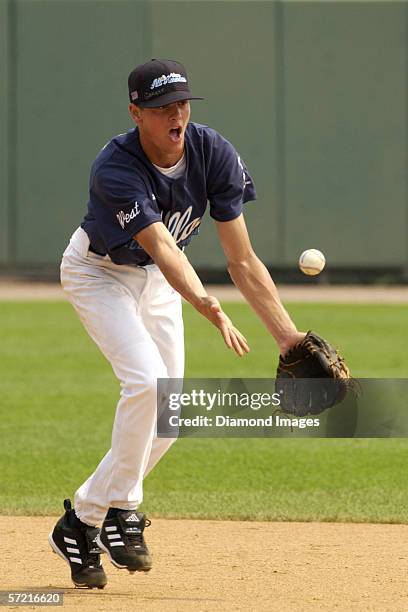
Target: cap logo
{"x": 173, "y": 77}
{"x": 134, "y": 95}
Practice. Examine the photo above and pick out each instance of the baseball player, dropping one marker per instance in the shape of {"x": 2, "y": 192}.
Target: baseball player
{"x": 125, "y": 271}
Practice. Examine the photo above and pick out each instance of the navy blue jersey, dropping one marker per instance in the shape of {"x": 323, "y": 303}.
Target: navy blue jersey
{"x": 127, "y": 193}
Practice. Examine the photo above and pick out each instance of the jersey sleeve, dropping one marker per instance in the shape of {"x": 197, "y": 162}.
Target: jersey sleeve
{"x": 229, "y": 184}
{"x": 122, "y": 205}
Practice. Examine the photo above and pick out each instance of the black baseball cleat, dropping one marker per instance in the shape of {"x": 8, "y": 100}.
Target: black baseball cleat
{"x": 75, "y": 542}
{"x": 121, "y": 537}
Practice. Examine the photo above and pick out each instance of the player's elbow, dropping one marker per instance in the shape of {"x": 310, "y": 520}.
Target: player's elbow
{"x": 167, "y": 254}
{"x": 242, "y": 263}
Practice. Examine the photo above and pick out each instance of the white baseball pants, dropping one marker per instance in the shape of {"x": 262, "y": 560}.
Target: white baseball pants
{"x": 135, "y": 318}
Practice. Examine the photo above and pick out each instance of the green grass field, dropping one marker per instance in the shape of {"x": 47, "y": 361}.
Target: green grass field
{"x": 58, "y": 396}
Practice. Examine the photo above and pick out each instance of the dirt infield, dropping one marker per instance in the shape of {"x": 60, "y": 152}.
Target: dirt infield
{"x": 355, "y": 294}
{"x": 227, "y": 565}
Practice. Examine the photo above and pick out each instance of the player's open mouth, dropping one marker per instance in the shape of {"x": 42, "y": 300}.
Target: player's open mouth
{"x": 175, "y": 134}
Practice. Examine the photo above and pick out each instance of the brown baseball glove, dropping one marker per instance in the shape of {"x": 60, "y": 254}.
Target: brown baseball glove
{"x": 311, "y": 377}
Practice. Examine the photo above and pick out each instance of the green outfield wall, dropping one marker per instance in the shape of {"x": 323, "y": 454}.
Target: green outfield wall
{"x": 314, "y": 95}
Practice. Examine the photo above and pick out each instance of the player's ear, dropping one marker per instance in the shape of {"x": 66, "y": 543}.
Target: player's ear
{"x": 135, "y": 112}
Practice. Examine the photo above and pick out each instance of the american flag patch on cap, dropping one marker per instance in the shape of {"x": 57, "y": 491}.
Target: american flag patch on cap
{"x": 134, "y": 95}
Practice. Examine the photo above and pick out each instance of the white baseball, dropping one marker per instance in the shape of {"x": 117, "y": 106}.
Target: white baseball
{"x": 312, "y": 262}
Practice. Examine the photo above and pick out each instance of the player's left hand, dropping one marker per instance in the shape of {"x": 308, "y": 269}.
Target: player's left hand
{"x": 290, "y": 341}
{"x": 232, "y": 336}
{"x": 311, "y": 377}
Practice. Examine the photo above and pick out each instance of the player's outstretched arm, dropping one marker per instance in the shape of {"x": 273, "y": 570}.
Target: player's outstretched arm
{"x": 157, "y": 241}
{"x": 255, "y": 283}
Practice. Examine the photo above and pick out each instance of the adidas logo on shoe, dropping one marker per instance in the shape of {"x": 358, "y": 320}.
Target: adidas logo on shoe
{"x": 121, "y": 537}
{"x": 132, "y": 519}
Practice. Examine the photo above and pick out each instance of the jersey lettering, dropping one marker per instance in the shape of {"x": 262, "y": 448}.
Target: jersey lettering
{"x": 179, "y": 225}
{"x": 125, "y": 218}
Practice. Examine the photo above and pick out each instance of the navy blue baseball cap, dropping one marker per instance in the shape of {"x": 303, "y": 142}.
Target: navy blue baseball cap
{"x": 159, "y": 82}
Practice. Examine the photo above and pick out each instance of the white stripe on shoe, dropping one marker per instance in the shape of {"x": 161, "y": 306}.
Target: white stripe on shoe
{"x": 114, "y": 536}
{"x": 73, "y": 550}
{"x": 111, "y": 528}
{"x": 70, "y": 541}
{"x": 75, "y": 560}
{"x": 116, "y": 544}
{"x": 56, "y": 549}
{"x": 108, "y": 552}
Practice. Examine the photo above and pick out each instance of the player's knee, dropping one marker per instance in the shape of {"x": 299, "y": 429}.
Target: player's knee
{"x": 145, "y": 385}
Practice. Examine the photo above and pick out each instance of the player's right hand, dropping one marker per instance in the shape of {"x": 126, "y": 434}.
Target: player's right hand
{"x": 232, "y": 336}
